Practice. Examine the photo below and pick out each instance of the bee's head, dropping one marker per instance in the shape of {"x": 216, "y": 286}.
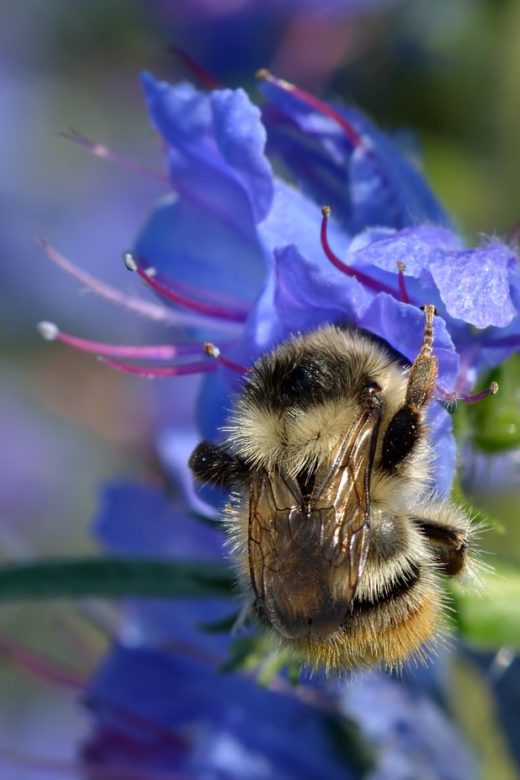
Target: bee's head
{"x": 300, "y": 399}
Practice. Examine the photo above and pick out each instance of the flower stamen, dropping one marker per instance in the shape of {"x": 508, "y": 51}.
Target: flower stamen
{"x": 161, "y": 372}
{"x": 213, "y": 351}
{"x": 51, "y": 332}
{"x": 468, "y": 398}
{"x": 361, "y": 277}
{"x": 403, "y": 293}
{"x": 192, "y": 66}
{"x": 351, "y": 133}
{"x": 152, "y": 311}
{"x": 148, "y": 275}
{"x": 105, "y": 153}
{"x": 39, "y": 666}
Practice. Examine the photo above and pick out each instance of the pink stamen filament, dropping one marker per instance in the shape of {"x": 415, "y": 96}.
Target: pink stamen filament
{"x": 40, "y": 666}
{"x": 50, "y": 332}
{"x": 469, "y": 398}
{"x": 152, "y": 311}
{"x": 403, "y": 293}
{"x": 204, "y": 309}
{"x": 475, "y": 397}
{"x": 361, "y": 277}
{"x": 104, "y": 153}
{"x": 353, "y": 136}
{"x": 214, "y": 352}
{"x": 146, "y": 309}
{"x": 193, "y": 67}
{"x": 161, "y": 372}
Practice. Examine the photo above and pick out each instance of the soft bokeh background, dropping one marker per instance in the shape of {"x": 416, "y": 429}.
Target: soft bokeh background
{"x": 448, "y": 70}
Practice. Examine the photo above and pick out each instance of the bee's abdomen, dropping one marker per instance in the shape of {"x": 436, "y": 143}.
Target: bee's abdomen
{"x": 302, "y": 603}
{"x": 400, "y": 587}
{"x": 314, "y": 622}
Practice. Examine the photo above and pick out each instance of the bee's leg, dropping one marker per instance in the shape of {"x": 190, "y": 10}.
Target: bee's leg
{"x": 405, "y": 428}
{"x": 448, "y": 531}
{"x": 213, "y": 464}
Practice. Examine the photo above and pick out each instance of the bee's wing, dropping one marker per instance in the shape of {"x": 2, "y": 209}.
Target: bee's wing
{"x": 274, "y": 501}
{"x": 341, "y": 495}
{"x": 306, "y": 557}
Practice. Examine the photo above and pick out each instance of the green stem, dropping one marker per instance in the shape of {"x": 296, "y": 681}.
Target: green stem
{"x": 112, "y": 578}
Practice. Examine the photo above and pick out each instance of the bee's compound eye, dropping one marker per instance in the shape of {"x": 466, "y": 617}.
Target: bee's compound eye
{"x": 374, "y": 389}
{"x": 374, "y": 392}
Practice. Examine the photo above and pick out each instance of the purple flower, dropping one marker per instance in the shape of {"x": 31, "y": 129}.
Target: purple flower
{"x": 250, "y": 255}
{"x": 244, "y": 257}
{"x": 267, "y": 232}
{"x": 338, "y": 157}
{"x": 233, "y": 39}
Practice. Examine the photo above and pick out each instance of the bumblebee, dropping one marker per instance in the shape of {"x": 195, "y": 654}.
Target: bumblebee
{"x": 340, "y": 543}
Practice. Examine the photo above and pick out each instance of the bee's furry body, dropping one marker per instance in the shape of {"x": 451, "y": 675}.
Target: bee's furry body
{"x": 342, "y": 592}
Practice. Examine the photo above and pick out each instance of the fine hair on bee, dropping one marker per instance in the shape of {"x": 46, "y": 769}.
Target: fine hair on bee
{"x": 340, "y": 544}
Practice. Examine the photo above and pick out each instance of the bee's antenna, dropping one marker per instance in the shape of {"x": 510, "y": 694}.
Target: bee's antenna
{"x": 429, "y": 312}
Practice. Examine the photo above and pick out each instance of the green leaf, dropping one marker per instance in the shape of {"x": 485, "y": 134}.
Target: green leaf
{"x": 491, "y": 617}
{"x": 494, "y": 423}
{"x": 112, "y": 578}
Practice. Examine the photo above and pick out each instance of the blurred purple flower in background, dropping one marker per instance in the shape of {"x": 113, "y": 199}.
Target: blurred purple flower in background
{"x": 246, "y": 259}
{"x": 304, "y": 40}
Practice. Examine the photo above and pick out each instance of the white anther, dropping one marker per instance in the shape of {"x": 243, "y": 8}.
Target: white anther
{"x": 129, "y": 261}
{"x": 48, "y": 330}
{"x": 211, "y": 350}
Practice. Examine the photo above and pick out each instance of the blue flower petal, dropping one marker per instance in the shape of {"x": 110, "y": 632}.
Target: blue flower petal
{"x": 475, "y": 285}
{"x": 402, "y": 326}
{"x": 175, "y": 447}
{"x": 241, "y": 139}
{"x": 190, "y": 244}
{"x": 384, "y": 182}
{"x": 368, "y": 183}
{"x": 294, "y": 219}
{"x": 300, "y": 297}
{"x": 182, "y": 700}
{"x": 414, "y": 737}
{"x": 309, "y": 164}
{"x": 214, "y": 146}
{"x": 139, "y": 521}
{"x": 415, "y": 247}
{"x": 444, "y": 448}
